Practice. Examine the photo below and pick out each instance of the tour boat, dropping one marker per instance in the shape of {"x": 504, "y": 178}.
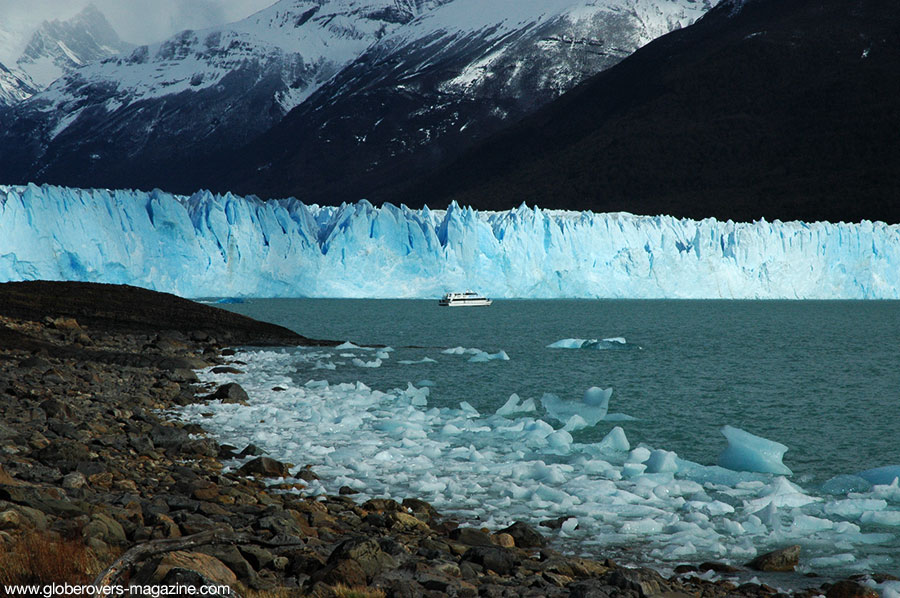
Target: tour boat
{"x": 466, "y": 299}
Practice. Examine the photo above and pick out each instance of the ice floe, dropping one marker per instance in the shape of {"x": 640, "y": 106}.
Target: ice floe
{"x": 519, "y": 462}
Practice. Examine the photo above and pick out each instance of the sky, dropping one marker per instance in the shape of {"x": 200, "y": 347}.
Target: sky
{"x": 136, "y": 21}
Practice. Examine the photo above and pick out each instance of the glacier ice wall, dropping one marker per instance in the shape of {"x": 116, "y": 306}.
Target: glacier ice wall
{"x": 210, "y": 245}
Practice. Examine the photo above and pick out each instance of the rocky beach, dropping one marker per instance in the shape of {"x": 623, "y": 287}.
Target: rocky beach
{"x": 100, "y": 485}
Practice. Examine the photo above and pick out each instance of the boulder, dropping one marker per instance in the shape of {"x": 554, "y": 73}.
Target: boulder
{"x": 494, "y": 558}
{"x": 783, "y": 559}
{"x": 365, "y": 552}
{"x": 471, "y": 536}
{"x": 524, "y": 535}
{"x": 209, "y": 568}
{"x": 265, "y": 467}
{"x": 230, "y": 393}
{"x": 850, "y": 589}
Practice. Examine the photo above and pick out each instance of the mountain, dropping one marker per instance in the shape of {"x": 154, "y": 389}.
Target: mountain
{"x": 31, "y": 61}
{"x": 431, "y": 88}
{"x": 764, "y": 108}
{"x": 137, "y": 120}
{"x": 210, "y": 245}
{"x": 58, "y": 47}
{"x": 14, "y": 86}
{"x": 380, "y": 90}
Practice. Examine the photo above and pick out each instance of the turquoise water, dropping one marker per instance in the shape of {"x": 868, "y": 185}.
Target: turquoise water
{"x": 822, "y": 378}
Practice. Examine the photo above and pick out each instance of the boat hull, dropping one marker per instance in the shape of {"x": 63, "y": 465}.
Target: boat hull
{"x": 465, "y": 303}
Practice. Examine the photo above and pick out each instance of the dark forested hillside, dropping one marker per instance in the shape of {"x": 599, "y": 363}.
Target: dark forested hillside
{"x": 783, "y": 109}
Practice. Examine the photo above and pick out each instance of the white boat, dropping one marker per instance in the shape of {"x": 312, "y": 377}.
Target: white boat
{"x": 466, "y": 299}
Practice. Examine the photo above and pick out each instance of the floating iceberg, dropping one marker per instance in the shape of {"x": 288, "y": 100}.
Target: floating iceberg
{"x": 881, "y": 475}
{"x": 208, "y": 245}
{"x": 513, "y": 406}
{"x": 606, "y": 344}
{"x": 748, "y": 452}
{"x": 615, "y": 440}
{"x": 593, "y": 406}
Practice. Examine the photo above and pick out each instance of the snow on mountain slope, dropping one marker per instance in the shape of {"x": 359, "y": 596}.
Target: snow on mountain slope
{"x": 58, "y": 47}
{"x": 149, "y": 112}
{"x": 422, "y": 73}
{"x": 14, "y": 86}
{"x": 214, "y": 245}
{"x": 31, "y": 60}
{"x": 455, "y": 74}
{"x": 304, "y": 41}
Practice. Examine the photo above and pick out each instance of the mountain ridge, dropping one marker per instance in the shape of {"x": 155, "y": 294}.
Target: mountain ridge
{"x": 760, "y": 110}
{"x": 123, "y": 123}
{"x": 37, "y": 58}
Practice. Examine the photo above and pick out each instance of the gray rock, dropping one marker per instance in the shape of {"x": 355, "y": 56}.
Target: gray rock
{"x": 591, "y": 588}
{"x": 230, "y": 393}
{"x": 471, "y": 536}
{"x": 366, "y": 552}
{"x": 495, "y": 558}
{"x": 646, "y": 582}
{"x": 265, "y": 467}
{"x": 524, "y": 535}
{"x": 784, "y": 559}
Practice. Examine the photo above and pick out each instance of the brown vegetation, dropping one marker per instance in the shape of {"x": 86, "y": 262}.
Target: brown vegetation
{"x": 42, "y": 558}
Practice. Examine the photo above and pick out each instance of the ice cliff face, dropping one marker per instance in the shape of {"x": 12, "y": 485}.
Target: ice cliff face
{"x": 223, "y": 245}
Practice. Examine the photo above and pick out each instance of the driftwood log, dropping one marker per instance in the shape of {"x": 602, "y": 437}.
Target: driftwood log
{"x": 140, "y": 553}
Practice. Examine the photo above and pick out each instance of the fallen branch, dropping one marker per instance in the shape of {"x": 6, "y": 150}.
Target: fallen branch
{"x": 137, "y": 554}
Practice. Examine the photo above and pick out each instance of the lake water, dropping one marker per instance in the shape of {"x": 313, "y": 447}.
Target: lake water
{"x": 823, "y": 378}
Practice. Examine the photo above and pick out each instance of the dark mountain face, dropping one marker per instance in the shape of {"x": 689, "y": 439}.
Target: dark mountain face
{"x": 764, "y": 108}
{"x": 327, "y": 101}
{"x": 409, "y": 104}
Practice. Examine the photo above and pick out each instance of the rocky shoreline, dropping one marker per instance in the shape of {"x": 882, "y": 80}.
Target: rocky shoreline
{"x": 87, "y": 457}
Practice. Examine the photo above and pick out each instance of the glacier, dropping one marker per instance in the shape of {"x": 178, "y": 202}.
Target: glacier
{"x": 210, "y": 245}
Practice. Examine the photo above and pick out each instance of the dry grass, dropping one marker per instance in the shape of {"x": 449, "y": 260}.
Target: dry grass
{"x": 342, "y": 591}
{"x": 246, "y": 592}
{"x": 41, "y": 558}
{"x": 338, "y": 591}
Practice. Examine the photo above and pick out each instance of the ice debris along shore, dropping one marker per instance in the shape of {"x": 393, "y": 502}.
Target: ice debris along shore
{"x": 210, "y": 245}
{"x": 520, "y": 463}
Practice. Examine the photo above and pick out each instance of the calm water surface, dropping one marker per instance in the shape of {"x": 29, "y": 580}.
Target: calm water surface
{"x": 821, "y": 377}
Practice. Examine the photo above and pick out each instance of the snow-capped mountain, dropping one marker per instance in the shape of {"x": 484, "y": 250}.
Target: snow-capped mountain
{"x": 141, "y": 115}
{"x": 456, "y": 74}
{"x": 401, "y": 75}
{"x": 14, "y": 86}
{"x": 763, "y": 108}
{"x": 59, "y": 47}
{"x": 31, "y": 60}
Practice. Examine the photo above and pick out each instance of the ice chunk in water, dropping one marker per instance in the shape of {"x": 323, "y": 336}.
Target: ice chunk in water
{"x": 483, "y": 356}
{"x": 845, "y": 484}
{"x": 597, "y": 397}
{"x": 567, "y": 343}
{"x": 662, "y": 461}
{"x": 881, "y": 476}
{"x": 560, "y": 441}
{"x": 748, "y": 452}
{"x": 376, "y": 363}
{"x": 579, "y": 343}
{"x": 615, "y": 441}
{"x": 513, "y": 406}
{"x": 593, "y": 406}
{"x": 575, "y": 423}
